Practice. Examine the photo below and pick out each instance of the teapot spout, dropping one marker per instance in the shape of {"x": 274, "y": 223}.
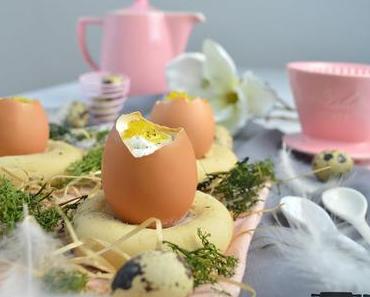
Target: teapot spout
{"x": 180, "y": 26}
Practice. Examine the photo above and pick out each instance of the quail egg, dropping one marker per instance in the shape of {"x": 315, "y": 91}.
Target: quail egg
{"x": 78, "y": 115}
{"x": 337, "y": 163}
{"x": 153, "y": 274}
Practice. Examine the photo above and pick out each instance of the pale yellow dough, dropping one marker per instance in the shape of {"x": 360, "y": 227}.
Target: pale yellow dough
{"x": 94, "y": 220}
{"x": 220, "y": 158}
{"x": 54, "y": 161}
{"x": 223, "y": 137}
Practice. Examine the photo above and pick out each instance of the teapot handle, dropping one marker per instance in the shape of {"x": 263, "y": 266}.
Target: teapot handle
{"x": 81, "y": 37}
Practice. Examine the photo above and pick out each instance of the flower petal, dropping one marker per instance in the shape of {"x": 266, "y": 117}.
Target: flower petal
{"x": 219, "y": 68}
{"x": 233, "y": 115}
{"x": 221, "y": 110}
{"x": 261, "y": 97}
{"x": 243, "y": 109}
{"x": 185, "y": 73}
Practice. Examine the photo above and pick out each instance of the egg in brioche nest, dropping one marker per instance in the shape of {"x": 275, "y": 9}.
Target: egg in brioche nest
{"x": 150, "y": 171}
{"x": 195, "y": 115}
{"x": 25, "y": 149}
{"x": 24, "y": 127}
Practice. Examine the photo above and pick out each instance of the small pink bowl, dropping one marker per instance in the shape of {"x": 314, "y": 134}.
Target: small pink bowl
{"x": 105, "y": 100}
{"x": 333, "y": 102}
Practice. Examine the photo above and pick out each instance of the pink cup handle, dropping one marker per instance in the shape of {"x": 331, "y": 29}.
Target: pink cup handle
{"x": 81, "y": 37}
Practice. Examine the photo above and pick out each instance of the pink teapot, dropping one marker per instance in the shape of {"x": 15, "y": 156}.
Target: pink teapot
{"x": 139, "y": 41}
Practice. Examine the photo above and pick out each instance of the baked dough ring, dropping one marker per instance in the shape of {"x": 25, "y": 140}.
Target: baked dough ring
{"x": 54, "y": 161}
{"x": 95, "y": 220}
{"x": 223, "y": 137}
{"x": 218, "y": 159}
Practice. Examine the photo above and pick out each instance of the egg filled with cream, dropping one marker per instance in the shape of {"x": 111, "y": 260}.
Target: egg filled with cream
{"x": 194, "y": 114}
{"x": 148, "y": 171}
{"x": 24, "y": 127}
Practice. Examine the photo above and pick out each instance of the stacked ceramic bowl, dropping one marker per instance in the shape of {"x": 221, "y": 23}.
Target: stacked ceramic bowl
{"x": 106, "y": 94}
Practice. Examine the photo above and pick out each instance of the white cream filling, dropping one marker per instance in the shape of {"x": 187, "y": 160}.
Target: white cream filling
{"x": 140, "y": 147}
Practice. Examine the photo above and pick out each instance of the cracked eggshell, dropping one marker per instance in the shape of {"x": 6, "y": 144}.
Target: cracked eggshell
{"x": 195, "y": 116}
{"x": 24, "y": 127}
{"x": 154, "y": 274}
{"x": 160, "y": 185}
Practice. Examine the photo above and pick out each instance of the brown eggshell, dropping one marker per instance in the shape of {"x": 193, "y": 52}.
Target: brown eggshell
{"x": 195, "y": 116}
{"x": 161, "y": 185}
{"x": 24, "y": 127}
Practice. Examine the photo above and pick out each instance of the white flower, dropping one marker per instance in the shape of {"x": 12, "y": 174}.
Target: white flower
{"x": 261, "y": 97}
{"x": 213, "y": 75}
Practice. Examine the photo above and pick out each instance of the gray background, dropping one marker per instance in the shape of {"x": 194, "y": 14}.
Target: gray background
{"x": 38, "y": 45}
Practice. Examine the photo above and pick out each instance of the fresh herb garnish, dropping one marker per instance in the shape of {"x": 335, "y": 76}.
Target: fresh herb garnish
{"x": 75, "y": 136}
{"x": 12, "y": 202}
{"x": 57, "y": 132}
{"x": 91, "y": 162}
{"x": 207, "y": 263}
{"x": 48, "y": 218}
{"x": 238, "y": 189}
{"x": 61, "y": 281}
{"x": 101, "y": 136}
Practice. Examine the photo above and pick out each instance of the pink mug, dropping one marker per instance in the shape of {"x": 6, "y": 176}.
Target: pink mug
{"x": 333, "y": 100}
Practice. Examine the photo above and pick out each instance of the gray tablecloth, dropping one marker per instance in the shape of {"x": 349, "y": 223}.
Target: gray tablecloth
{"x": 267, "y": 272}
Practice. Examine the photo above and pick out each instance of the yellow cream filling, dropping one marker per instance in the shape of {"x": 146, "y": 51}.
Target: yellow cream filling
{"x": 146, "y": 130}
{"x": 19, "y": 99}
{"x": 177, "y": 95}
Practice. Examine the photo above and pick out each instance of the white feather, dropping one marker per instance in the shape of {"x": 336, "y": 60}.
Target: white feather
{"x": 298, "y": 182}
{"x": 322, "y": 260}
{"x": 23, "y": 255}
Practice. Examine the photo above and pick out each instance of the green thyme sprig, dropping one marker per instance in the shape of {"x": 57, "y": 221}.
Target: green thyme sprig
{"x": 12, "y": 202}
{"x": 62, "y": 281}
{"x": 91, "y": 162}
{"x": 76, "y": 135}
{"x": 58, "y": 132}
{"x": 207, "y": 263}
{"x": 238, "y": 189}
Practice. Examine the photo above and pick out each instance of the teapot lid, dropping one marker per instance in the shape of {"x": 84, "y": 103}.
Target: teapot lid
{"x": 138, "y": 7}
{"x": 141, "y": 5}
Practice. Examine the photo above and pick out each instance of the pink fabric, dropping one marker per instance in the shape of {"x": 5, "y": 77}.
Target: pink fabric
{"x": 239, "y": 248}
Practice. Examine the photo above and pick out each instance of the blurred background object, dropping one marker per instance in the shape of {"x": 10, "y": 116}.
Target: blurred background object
{"x": 39, "y": 47}
{"x": 106, "y": 94}
{"x": 139, "y": 41}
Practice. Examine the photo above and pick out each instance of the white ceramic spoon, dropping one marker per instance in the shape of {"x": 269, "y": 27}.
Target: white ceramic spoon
{"x": 351, "y": 206}
{"x": 307, "y": 214}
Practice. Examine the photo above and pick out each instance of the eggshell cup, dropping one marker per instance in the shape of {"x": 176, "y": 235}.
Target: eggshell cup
{"x": 24, "y": 128}
{"x": 160, "y": 185}
{"x": 195, "y": 116}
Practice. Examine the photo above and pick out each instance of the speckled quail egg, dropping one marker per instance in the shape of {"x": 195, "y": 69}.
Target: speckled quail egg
{"x": 339, "y": 162}
{"x": 153, "y": 274}
{"x": 78, "y": 115}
